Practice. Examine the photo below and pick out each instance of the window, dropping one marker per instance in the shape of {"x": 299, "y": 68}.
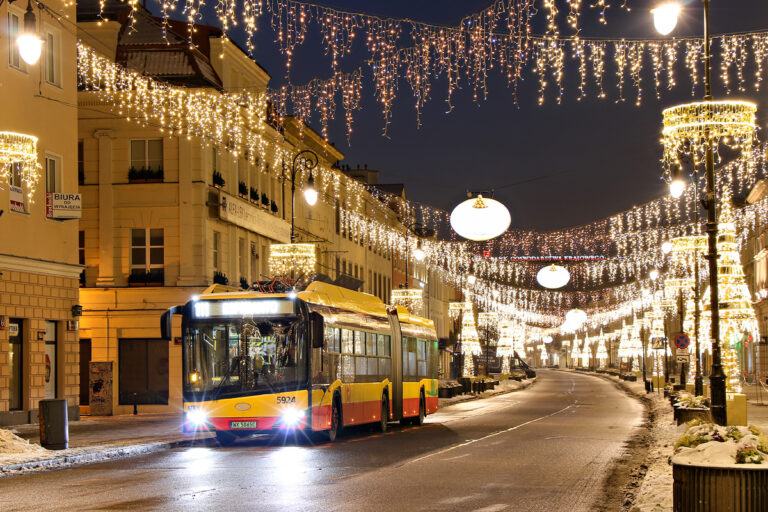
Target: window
{"x": 52, "y": 57}
{"x": 359, "y": 343}
{"x": 241, "y": 255}
{"x": 147, "y": 255}
{"x": 15, "y": 24}
{"x": 216, "y": 250}
{"x": 143, "y": 371}
{"x": 80, "y": 162}
{"x": 147, "y": 154}
{"x": 254, "y": 263}
{"x": 17, "y": 191}
{"x": 346, "y": 341}
{"x": 81, "y": 254}
{"x": 52, "y": 173}
{"x": 333, "y": 339}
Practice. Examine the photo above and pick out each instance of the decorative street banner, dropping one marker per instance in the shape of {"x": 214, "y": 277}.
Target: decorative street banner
{"x": 63, "y": 206}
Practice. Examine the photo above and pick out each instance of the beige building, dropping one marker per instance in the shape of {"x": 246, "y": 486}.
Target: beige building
{"x": 165, "y": 217}
{"x": 39, "y": 268}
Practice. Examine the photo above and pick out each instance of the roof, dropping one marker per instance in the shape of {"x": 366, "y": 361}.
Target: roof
{"x": 324, "y": 294}
{"x": 174, "y": 65}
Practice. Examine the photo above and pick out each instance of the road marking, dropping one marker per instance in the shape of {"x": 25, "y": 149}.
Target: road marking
{"x": 493, "y": 434}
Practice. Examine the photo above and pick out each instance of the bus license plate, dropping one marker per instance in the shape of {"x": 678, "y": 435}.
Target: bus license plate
{"x": 243, "y": 424}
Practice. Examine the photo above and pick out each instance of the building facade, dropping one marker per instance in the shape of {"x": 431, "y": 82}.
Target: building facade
{"x": 39, "y": 270}
{"x": 164, "y": 217}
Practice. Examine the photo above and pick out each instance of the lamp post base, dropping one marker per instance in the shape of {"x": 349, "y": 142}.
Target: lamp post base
{"x": 698, "y": 385}
{"x": 717, "y": 390}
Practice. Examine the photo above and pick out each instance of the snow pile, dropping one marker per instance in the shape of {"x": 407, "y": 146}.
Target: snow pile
{"x": 655, "y": 493}
{"x": 707, "y": 444}
{"x": 690, "y": 401}
{"x": 11, "y": 444}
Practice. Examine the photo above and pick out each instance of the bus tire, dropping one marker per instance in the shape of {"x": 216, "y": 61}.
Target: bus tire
{"x": 225, "y": 438}
{"x": 336, "y": 426}
{"x": 382, "y": 425}
{"x": 419, "y": 420}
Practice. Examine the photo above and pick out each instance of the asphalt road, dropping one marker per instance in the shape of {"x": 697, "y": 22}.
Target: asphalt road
{"x": 547, "y": 448}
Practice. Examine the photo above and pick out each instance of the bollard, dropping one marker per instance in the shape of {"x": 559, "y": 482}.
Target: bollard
{"x": 135, "y": 409}
{"x": 54, "y": 426}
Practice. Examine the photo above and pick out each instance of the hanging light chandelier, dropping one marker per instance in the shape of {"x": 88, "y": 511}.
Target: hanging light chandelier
{"x": 480, "y": 218}
{"x": 553, "y": 277}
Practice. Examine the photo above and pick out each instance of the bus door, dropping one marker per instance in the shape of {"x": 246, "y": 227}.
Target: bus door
{"x": 397, "y": 366}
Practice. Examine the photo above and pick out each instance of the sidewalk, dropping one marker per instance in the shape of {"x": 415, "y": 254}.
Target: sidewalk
{"x": 654, "y": 493}
{"x": 505, "y": 386}
{"x": 93, "y": 439}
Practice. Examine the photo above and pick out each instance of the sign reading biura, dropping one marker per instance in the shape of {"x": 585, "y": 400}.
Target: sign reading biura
{"x": 63, "y": 206}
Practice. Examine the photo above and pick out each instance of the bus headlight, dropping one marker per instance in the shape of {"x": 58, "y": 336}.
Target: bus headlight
{"x": 291, "y": 417}
{"x": 197, "y": 417}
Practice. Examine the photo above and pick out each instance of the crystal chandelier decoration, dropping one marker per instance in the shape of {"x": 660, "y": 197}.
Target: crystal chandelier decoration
{"x": 292, "y": 259}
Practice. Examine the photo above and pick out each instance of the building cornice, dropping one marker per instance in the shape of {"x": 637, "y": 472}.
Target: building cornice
{"x": 40, "y": 266}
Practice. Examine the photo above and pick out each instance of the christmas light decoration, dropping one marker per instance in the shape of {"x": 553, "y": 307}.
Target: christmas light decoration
{"x": 18, "y": 161}
{"x": 689, "y": 129}
{"x": 411, "y": 299}
{"x": 505, "y": 345}
{"x": 737, "y": 317}
{"x": 292, "y": 259}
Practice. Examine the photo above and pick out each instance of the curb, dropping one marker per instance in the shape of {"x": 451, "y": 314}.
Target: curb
{"x": 126, "y": 451}
{"x": 526, "y": 384}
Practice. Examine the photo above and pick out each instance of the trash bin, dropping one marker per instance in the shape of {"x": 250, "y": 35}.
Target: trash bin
{"x": 54, "y": 426}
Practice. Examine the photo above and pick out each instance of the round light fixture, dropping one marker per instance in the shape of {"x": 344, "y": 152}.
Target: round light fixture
{"x": 665, "y": 17}
{"x": 676, "y": 188}
{"x": 576, "y": 317}
{"x": 547, "y": 339}
{"x": 654, "y": 274}
{"x": 480, "y": 218}
{"x": 29, "y": 43}
{"x": 419, "y": 253}
{"x": 471, "y": 279}
{"x": 666, "y": 247}
{"x": 553, "y": 277}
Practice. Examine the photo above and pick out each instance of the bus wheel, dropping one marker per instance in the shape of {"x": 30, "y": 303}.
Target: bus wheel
{"x": 382, "y": 426}
{"x": 225, "y": 438}
{"x": 333, "y": 432}
{"x": 419, "y": 420}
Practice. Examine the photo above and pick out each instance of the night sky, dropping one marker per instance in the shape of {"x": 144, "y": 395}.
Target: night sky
{"x": 604, "y": 155}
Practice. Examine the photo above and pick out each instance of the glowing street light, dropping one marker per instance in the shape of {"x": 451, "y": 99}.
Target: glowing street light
{"x": 665, "y": 17}
{"x": 677, "y": 187}
{"x": 553, "y": 277}
{"x": 310, "y": 193}
{"x": 419, "y": 253}
{"x": 480, "y": 218}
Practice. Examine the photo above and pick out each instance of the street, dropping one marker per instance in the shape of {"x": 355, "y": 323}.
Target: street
{"x": 549, "y": 447}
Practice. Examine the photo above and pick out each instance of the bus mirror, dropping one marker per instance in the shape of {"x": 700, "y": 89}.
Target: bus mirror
{"x": 166, "y": 322}
{"x": 317, "y": 329}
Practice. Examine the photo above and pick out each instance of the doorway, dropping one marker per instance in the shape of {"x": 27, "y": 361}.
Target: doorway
{"x": 85, "y": 364}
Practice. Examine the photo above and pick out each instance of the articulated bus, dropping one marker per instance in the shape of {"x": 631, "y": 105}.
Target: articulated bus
{"x": 315, "y": 361}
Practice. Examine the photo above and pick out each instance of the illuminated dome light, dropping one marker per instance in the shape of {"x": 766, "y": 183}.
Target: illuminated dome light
{"x": 547, "y": 339}
{"x": 666, "y": 247}
{"x": 576, "y": 317}
{"x": 30, "y": 47}
{"x": 654, "y": 274}
{"x": 553, "y": 277}
{"x": 676, "y": 188}
{"x": 471, "y": 279}
{"x": 480, "y": 218}
{"x": 310, "y": 192}
{"x": 419, "y": 253}
{"x": 665, "y": 17}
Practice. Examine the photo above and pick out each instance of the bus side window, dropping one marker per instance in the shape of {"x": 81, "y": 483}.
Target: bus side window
{"x": 383, "y": 342}
{"x": 359, "y": 343}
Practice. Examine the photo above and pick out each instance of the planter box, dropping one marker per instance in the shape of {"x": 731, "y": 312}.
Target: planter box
{"x": 684, "y": 415}
{"x": 702, "y": 488}
{"x": 145, "y": 180}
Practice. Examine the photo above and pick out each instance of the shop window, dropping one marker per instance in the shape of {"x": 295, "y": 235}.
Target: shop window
{"x": 143, "y": 374}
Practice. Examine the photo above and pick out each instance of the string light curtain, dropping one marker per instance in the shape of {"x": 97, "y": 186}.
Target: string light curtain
{"x": 19, "y": 164}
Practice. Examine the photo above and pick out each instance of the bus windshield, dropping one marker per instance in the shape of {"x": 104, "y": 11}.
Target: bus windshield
{"x": 237, "y": 356}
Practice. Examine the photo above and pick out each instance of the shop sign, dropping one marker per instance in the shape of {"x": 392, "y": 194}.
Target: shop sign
{"x": 16, "y": 195}
{"x": 13, "y": 330}
{"x": 63, "y": 206}
{"x": 253, "y": 218}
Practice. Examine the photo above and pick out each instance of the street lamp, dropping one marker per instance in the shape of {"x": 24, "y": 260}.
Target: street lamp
{"x": 419, "y": 253}
{"x": 29, "y": 43}
{"x": 677, "y": 186}
{"x": 304, "y": 160}
{"x": 665, "y": 19}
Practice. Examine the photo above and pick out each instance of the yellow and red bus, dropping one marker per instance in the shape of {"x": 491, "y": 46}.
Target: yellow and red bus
{"x": 316, "y": 361}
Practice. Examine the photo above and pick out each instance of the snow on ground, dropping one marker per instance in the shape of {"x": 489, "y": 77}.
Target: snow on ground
{"x": 655, "y": 494}
{"x": 14, "y": 449}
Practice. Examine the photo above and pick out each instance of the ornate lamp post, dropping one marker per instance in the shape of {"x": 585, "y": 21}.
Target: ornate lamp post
{"x": 695, "y": 129}
{"x": 304, "y": 160}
